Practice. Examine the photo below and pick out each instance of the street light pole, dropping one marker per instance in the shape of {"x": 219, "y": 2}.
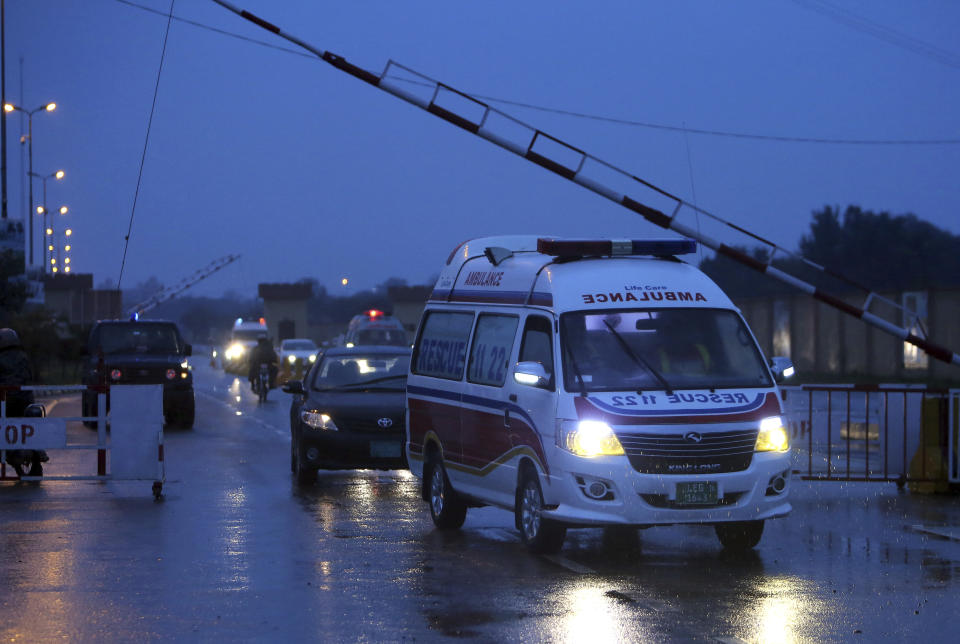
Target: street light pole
{"x": 42, "y": 209}
{"x": 49, "y": 107}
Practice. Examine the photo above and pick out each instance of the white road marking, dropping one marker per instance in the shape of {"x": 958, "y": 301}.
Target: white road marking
{"x": 231, "y": 407}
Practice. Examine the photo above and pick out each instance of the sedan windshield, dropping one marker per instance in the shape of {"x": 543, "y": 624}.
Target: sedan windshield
{"x": 298, "y": 345}
{"x": 666, "y": 349}
{"x": 380, "y": 371}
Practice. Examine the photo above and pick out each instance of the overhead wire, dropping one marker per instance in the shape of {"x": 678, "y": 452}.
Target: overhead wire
{"x": 595, "y": 117}
{"x": 146, "y": 142}
{"x": 870, "y": 27}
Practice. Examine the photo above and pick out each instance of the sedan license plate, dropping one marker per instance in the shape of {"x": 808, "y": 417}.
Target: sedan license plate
{"x": 697, "y": 493}
{"x": 384, "y": 449}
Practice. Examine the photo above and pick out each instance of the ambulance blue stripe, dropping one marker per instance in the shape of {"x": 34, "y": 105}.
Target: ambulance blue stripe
{"x": 621, "y": 411}
{"x": 538, "y": 298}
{"x": 489, "y": 403}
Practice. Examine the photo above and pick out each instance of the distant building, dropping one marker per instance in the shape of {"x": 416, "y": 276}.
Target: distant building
{"x": 74, "y": 297}
{"x": 285, "y": 309}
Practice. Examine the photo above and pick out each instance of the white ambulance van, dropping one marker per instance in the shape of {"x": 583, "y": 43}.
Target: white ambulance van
{"x": 590, "y": 383}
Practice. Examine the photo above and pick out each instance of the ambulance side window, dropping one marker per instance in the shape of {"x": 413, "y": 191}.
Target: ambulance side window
{"x": 491, "y": 350}
{"x": 537, "y": 344}
{"x": 441, "y": 349}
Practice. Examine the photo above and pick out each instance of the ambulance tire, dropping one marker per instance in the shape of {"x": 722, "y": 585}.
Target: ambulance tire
{"x": 538, "y": 534}
{"x": 446, "y": 507}
{"x": 739, "y": 536}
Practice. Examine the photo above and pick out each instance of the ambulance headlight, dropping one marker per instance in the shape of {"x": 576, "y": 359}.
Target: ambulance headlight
{"x": 773, "y": 436}
{"x": 291, "y": 359}
{"x": 313, "y": 357}
{"x": 588, "y": 438}
{"x": 234, "y": 351}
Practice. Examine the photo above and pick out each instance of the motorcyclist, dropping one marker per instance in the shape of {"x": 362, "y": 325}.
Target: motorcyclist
{"x": 262, "y": 353}
{"x": 15, "y": 370}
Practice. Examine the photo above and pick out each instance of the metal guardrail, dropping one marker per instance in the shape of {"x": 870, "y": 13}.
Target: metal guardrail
{"x": 895, "y": 433}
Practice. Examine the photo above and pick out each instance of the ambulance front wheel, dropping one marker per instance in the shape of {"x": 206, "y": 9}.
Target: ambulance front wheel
{"x": 446, "y": 507}
{"x": 739, "y": 536}
{"x": 539, "y": 534}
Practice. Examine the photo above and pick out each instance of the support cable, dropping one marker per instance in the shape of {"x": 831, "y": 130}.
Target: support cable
{"x": 143, "y": 155}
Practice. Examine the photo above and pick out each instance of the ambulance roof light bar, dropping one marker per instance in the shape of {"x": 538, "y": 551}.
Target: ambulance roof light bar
{"x": 373, "y": 314}
{"x": 615, "y": 247}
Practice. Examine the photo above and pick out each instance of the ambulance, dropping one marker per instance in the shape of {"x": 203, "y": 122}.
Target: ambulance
{"x": 582, "y": 383}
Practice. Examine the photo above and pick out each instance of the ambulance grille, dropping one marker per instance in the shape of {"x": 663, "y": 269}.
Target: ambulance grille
{"x": 715, "y": 453}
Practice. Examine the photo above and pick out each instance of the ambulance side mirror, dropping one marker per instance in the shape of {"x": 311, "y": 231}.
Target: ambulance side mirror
{"x": 782, "y": 368}
{"x": 532, "y": 374}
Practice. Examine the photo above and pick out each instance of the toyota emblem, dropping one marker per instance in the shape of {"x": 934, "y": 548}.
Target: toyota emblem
{"x": 692, "y": 437}
{"x": 385, "y": 422}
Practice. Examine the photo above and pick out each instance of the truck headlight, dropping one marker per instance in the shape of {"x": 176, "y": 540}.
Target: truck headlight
{"x": 317, "y": 420}
{"x": 773, "y": 436}
{"x": 588, "y": 438}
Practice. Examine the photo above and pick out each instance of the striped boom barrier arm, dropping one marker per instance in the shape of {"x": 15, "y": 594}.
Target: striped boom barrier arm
{"x": 401, "y": 87}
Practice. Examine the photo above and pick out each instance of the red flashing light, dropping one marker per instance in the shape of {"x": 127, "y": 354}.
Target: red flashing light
{"x": 374, "y": 314}
{"x": 263, "y": 321}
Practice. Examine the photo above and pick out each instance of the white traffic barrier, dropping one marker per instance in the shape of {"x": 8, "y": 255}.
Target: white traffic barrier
{"x": 134, "y": 442}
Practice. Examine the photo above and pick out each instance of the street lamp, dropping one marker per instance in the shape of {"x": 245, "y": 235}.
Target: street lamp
{"x": 42, "y": 210}
{"x": 49, "y": 107}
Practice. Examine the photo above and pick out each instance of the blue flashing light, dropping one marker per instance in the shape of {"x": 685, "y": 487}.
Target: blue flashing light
{"x": 135, "y": 317}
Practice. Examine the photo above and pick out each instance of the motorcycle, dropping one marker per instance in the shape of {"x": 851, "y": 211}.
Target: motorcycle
{"x": 261, "y": 384}
{"x": 28, "y": 462}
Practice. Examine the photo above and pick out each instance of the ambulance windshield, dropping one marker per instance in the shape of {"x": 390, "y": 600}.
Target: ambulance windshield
{"x": 637, "y": 350}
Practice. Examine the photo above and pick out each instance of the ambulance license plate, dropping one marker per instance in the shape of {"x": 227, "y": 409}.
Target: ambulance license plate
{"x": 697, "y": 493}
{"x": 384, "y": 449}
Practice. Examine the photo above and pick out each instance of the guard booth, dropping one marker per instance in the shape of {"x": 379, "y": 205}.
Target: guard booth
{"x": 129, "y": 439}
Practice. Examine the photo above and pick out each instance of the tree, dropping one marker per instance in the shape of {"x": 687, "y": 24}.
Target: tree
{"x": 878, "y": 251}
{"x": 883, "y": 251}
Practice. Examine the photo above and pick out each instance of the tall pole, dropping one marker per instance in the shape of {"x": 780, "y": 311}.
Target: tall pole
{"x": 30, "y": 179}
{"x": 45, "y": 242}
{"x": 3, "y": 101}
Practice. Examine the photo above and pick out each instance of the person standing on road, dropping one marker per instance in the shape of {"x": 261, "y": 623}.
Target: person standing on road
{"x": 15, "y": 370}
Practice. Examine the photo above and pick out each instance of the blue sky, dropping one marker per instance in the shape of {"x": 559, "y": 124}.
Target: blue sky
{"x": 308, "y": 172}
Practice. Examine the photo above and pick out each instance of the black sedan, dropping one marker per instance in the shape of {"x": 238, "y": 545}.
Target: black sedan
{"x": 349, "y": 412}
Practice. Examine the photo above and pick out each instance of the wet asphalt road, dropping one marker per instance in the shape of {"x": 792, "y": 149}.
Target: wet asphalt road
{"x": 236, "y": 552}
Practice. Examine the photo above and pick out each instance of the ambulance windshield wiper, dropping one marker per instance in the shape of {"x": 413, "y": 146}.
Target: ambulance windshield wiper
{"x": 639, "y": 360}
{"x": 576, "y": 368}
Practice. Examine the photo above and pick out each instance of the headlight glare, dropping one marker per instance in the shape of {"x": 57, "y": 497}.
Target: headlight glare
{"x": 589, "y": 438}
{"x": 317, "y": 420}
{"x": 291, "y": 359}
{"x": 773, "y": 436}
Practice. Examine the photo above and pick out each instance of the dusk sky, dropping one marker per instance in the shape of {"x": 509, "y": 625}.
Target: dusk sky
{"x": 308, "y": 172}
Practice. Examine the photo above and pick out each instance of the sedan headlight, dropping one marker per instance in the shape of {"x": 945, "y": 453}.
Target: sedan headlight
{"x": 588, "y": 438}
{"x": 773, "y": 436}
{"x": 317, "y": 420}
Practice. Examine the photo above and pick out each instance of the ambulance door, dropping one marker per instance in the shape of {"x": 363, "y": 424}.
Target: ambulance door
{"x": 435, "y": 385}
{"x": 485, "y": 415}
{"x": 534, "y": 422}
